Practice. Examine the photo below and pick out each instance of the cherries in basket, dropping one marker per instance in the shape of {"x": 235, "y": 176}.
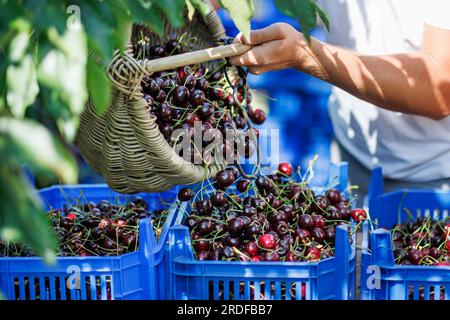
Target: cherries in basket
{"x": 198, "y": 100}
{"x": 265, "y": 218}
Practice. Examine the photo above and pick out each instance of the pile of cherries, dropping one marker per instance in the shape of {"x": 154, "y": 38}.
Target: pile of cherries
{"x": 422, "y": 242}
{"x": 266, "y": 218}
{"x": 102, "y": 229}
{"x": 195, "y": 95}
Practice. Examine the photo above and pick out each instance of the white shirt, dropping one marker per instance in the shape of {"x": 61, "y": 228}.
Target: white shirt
{"x": 409, "y": 148}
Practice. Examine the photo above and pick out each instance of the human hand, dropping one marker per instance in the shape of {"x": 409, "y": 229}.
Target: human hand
{"x": 276, "y": 47}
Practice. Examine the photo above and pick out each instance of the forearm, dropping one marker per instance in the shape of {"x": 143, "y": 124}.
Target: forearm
{"x": 410, "y": 83}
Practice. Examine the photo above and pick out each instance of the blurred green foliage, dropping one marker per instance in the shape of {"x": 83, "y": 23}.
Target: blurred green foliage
{"x": 52, "y": 56}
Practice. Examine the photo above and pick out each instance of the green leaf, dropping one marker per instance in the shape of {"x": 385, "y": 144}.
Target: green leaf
{"x": 18, "y": 47}
{"x": 22, "y": 86}
{"x": 199, "y": 5}
{"x": 324, "y": 17}
{"x": 173, "y": 10}
{"x": 146, "y": 12}
{"x": 22, "y": 218}
{"x": 304, "y": 10}
{"x": 99, "y": 85}
{"x": 49, "y": 14}
{"x": 37, "y": 148}
{"x": 63, "y": 69}
{"x": 99, "y": 24}
{"x": 123, "y": 23}
{"x": 191, "y": 9}
{"x": 8, "y": 13}
{"x": 241, "y": 11}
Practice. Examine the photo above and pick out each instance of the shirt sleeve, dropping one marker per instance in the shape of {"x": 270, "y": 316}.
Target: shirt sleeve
{"x": 438, "y": 13}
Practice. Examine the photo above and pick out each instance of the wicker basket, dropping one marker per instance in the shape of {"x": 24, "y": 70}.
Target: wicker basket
{"x": 124, "y": 144}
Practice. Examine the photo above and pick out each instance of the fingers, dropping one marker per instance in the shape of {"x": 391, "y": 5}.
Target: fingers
{"x": 270, "y": 33}
{"x": 269, "y": 51}
{"x": 263, "y": 54}
{"x": 238, "y": 38}
{"x": 250, "y": 58}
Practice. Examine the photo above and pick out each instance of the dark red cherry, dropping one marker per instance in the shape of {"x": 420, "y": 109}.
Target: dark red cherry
{"x": 330, "y": 234}
{"x": 184, "y": 72}
{"x": 267, "y": 241}
{"x": 282, "y": 228}
{"x": 157, "y": 51}
{"x": 313, "y": 253}
{"x": 319, "y": 221}
{"x": 305, "y": 221}
{"x": 236, "y": 226}
{"x": 197, "y": 97}
{"x": 149, "y": 99}
{"x": 224, "y": 179}
{"x": 303, "y": 235}
{"x": 320, "y": 204}
{"x": 169, "y": 84}
{"x": 228, "y": 252}
{"x": 259, "y": 116}
{"x": 415, "y": 256}
{"x": 152, "y": 87}
{"x": 249, "y": 211}
{"x": 232, "y": 241}
{"x": 334, "y": 196}
{"x": 318, "y": 234}
{"x": 251, "y": 248}
{"x": 272, "y": 256}
{"x": 173, "y": 47}
{"x": 285, "y": 168}
{"x": 166, "y": 129}
{"x": 190, "y": 82}
{"x": 242, "y": 185}
{"x": 206, "y": 110}
{"x": 359, "y": 215}
{"x": 346, "y": 213}
{"x": 192, "y": 119}
{"x": 180, "y": 95}
{"x": 216, "y": 76}
{"x": 185, "y": 194}
{"x": 202, "y": 84}
{"x": 204, "y": 207}
{"x": 219, "y": 199}
{"x": 240, "y": 122}
{"x": 161, "y": 96}
{"x": 205, "y": 227}
{"x": 289, "y": 211}
{"x": 165, "y": 112}
{"x": 253, "y": 230}
{"x": 202, "y": 245}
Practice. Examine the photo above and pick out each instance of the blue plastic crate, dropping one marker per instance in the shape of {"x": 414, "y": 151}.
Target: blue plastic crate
{"x": 398, "y": 282}
{"x": 138, "y": 275}
{"x": 332, "y": 278}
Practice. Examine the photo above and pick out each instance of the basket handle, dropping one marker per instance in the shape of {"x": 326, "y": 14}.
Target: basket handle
{"x": 195, "y": 57}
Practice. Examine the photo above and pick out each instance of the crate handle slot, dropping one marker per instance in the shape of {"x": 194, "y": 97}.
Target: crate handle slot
{"x": 146, "y": 242}
{"x": 382, "y": 247}
{"x": 179, "y": 242}
{"x": 342, "y": 266}
{"x": 339, "y": 171}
